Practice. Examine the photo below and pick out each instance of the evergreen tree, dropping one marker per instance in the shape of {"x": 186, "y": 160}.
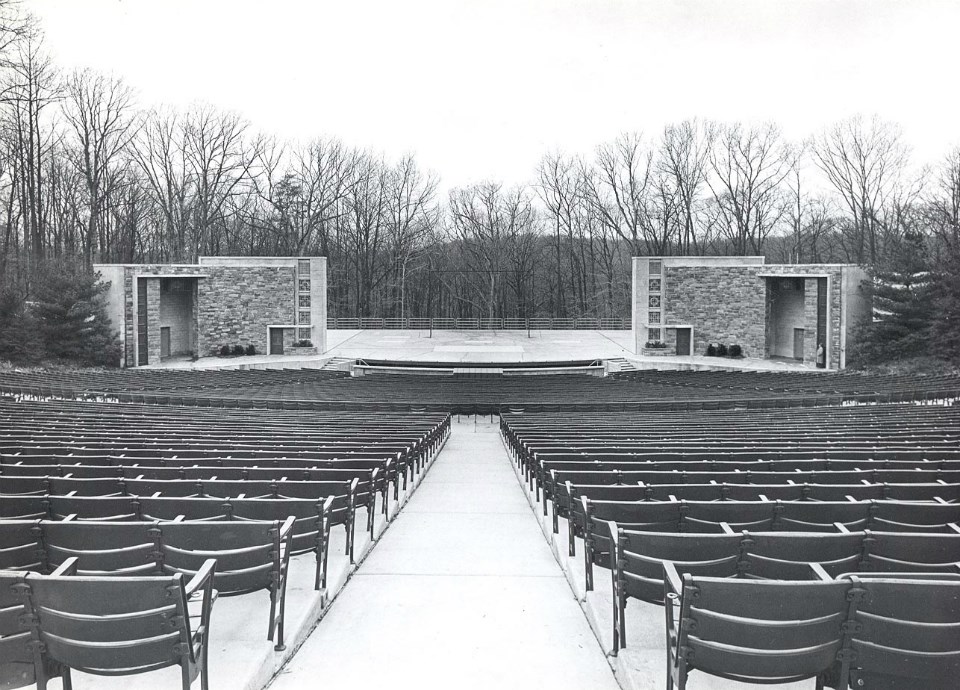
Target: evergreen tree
{"x": 903, "y": 307}
{"x": 945, "y": 332}
{"x": 71, "y": 319}
{"x": 18, "y": 334}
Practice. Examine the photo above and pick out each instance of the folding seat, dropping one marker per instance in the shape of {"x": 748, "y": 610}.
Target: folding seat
{"x": 638, "y": 565}
{"x": 893, "y": 516}
{"x": 907, "y": 552}
{"x": 908, "y": 635}
{"x": 172, "y": 487}
{"x": 718, "y": 517}
{"x": 24, "y": 507}
{"x": 113, "y": 508}
{"x": 24, "y": 486}
{"x": 20, "y": 545}
{"x": 759, "y": 492}
{"x": 116, "y": 548}
{"x": 311, "y": 527}
{"x": 251, "y": 556}
{"x": 813, "y": 516}
{"x": 754, "y": 631}
{"x": 193, "y": 509}
{"x": 104, "y": 486}
{"x": 786, "y": 556}
{"x": 80, "y": 623}
{"x": 844, "y": 492}
{"x": 16, "y": 649}
{"x": 686, "y": 492}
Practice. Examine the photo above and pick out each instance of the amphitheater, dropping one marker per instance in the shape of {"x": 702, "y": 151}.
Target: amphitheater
{"x": 476, "y": 509}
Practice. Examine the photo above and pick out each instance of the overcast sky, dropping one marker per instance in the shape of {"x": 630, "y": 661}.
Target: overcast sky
{"x": 481, "y": 89}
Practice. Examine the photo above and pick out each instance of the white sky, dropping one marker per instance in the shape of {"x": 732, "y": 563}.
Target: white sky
{"x": 481, "y": 89}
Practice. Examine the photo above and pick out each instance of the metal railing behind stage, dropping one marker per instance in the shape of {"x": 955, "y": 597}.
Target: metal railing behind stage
{"x": 537, "y": 324}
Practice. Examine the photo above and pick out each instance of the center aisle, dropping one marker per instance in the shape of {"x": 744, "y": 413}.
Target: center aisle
{"x": 462, "y": 591}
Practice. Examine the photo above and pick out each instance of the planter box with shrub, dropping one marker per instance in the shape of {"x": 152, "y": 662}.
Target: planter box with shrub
{"x": 303, "y": 347}
{"x": 655, "y": 348}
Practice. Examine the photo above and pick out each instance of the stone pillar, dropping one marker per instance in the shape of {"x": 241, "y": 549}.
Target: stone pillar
{"x": 810, "y": 321}
{"x": 153, "y": 320}
{"x": 318, "y": 301}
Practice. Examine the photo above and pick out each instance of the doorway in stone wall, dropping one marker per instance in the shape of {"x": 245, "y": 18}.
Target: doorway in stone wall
{"x": 164, "y": 342}
{"x": 276, "y": 341}
{"x": 798, "y": 337}
{"x": 683, "y": 341}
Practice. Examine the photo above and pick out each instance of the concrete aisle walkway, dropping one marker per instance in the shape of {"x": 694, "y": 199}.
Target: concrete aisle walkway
{"x": 461, "y": 592}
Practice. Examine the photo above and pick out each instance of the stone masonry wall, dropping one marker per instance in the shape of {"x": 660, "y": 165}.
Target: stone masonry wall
{"x": 129, "y": 319}
{"x": 153, "y": 320}
{"x": 236, "y": 304}
{"x": 724, "y": 304}
{"x": 810, "y": 294}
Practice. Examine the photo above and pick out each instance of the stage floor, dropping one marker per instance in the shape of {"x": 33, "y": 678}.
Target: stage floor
{"x": 479, "y": 346}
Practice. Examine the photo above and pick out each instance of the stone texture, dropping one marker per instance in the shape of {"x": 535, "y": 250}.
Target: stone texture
{"x": 236, "y": 304}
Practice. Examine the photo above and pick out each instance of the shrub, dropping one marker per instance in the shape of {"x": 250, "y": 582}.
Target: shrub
{"x": 303, "y": 343}
{"x": 721, "y": 350}
{"x": 224, "y": 350}
{"x": 237, "y": 350}
{"x": 251, "y": 350}
{"x": 711, "y": 350}
{"x": 69, "y": 311}
{"x": 18, "y": 333}
{"x": 736, "y": 351}
{"x": 655, "y": 345}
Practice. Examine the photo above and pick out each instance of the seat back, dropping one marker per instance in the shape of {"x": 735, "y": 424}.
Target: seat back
{"x": 16, "y": 657}
{"x": 761, "y": 630}
{"x": 247, "y": 553}
{"x": 642, "y": 555}
{"x": 909, "y": 634}
{"x": 894, "y": 552}
{"x": 20, "y": 545}
{"x": 110, "y": 626}
{"x": 786, "y": 556}
{"x": 117, "y": 548}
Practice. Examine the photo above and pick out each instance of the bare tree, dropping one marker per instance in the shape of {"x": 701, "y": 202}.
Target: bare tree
{"x": 620, "y": 191}
{"x": 159, "y": 151}
{"x": 864, "y": 162}
{"x": 30, "y": 88}
{"x": 683, "y": 161}
{"x": 412, "y": 217}
{"x": 219, "y": 155}
{"x": 749, "y": 166}
{"x": 99, "y": 113}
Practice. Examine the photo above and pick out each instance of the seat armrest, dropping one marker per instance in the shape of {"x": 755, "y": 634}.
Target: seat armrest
{"x": 820, "y": 573}
{"x": 205, "y": 573}
{"x": 671, "y": 578}
{"x": 327, "y": 505}
{"x": 68, "y": 567}
{"x": 287, "y": 527}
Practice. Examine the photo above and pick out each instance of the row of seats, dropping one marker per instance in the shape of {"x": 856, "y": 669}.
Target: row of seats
{"x": 50, "y": 624}
{"x": 473, "y": 394}
{"x": 118, "y": 494}
{"x": 772, "y": 513}
{"x": 857, "y": 631}
{"x": 251, "y": 555}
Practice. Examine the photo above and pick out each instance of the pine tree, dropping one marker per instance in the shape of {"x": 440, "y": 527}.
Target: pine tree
{"x": 18, "y": 337}
{"x": 903, "y": 306}
{"x": 945, "y": 332}
{"x": 71, "y": 318}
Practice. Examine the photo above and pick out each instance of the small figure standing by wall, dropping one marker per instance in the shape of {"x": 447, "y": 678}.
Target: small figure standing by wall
{"x": 821, "y": 357}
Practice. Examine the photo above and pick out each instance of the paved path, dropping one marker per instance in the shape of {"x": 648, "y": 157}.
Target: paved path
{"x": 461, "y": 592}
